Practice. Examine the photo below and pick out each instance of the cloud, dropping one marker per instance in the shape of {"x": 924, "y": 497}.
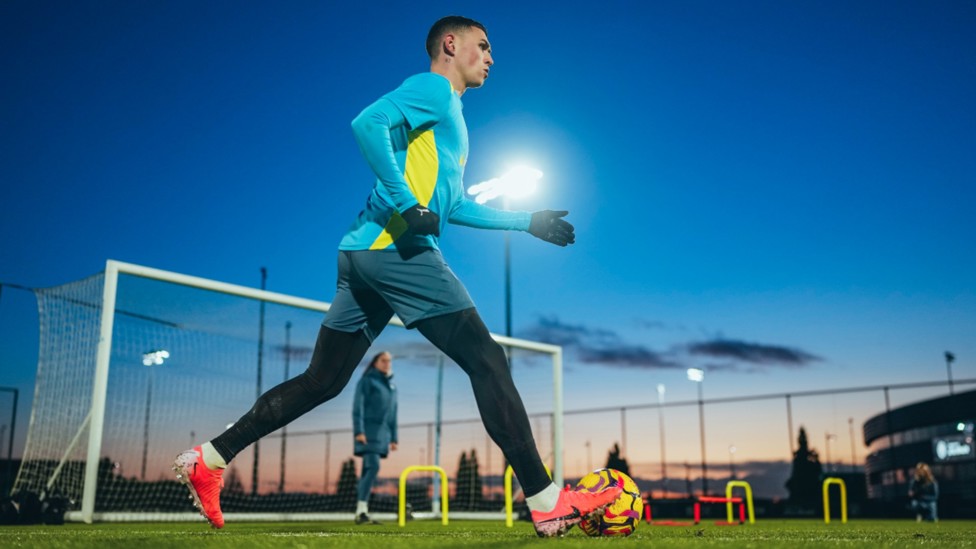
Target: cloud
{"x": 551, "y": 330}
{"x": 589, "y": 345}
{"x": 725, "y": 367}
{"x": 658, "y": 325}
{"x": 753, "y": 353}
{"x": 598, "y": 345}
{"x": 636, "y": 356}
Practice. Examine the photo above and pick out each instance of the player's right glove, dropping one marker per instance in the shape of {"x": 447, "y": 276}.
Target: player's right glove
{"x": 421, "y": 220}
{"x": 549, "y": 226}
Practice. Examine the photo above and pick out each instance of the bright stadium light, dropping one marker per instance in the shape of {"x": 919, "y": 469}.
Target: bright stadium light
{"x": 696, "y": 374}
{"x": 660, "y": 421}
{"x": 515, "y": 183}
{"x": 154, "y": 358}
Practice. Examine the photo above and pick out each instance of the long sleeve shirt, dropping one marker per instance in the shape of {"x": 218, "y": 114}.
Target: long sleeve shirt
{"x": 416, "y": 142}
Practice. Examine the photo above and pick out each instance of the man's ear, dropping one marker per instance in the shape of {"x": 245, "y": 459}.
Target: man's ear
{"x": 449, "y": 45}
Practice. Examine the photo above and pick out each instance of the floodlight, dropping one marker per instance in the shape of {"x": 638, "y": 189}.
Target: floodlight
{"x": 154, "y": 358}
{"x": 515, "y": 183}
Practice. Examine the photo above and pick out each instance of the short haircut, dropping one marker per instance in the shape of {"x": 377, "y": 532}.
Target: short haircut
{"x": 447, "y": 25}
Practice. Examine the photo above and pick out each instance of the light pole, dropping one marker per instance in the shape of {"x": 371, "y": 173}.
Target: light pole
{"x": 698, "y": 376}
{"x": 850, "y": 425}
{"x": 589, "y": 456}
{"x": 328, "y": 448}
{"x": 623, "y": 431}
{"x": 949, "y": 358}
{"x": 660, "y": 428}
{"x": 13, "y": 427}
{"x": 508, "y": 286}
{"x": 257, "y": 443}
{"x": 150, "y": 359}
{"x": 827, "y": 438}
{"x": 284, "y": 429}
{"x": 732, "y": 461}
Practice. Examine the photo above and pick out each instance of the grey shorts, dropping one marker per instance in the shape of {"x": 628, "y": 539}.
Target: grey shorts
{"x": 375, "y": 284}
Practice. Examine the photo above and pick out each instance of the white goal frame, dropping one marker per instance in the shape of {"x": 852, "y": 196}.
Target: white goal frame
{"x": 96, "y": 416}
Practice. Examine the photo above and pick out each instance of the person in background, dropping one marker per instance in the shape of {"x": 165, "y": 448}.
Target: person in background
{"x": 923, "y": 491}
{"x": 374, "y": 424}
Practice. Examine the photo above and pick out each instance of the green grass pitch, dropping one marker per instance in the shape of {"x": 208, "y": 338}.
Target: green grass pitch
{"x": 765, "y": 533}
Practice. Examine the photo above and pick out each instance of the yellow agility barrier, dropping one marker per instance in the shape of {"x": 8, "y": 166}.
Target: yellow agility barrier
{"x": 402, "y": 519}
{"x": 843, "y": 498}
{"x": 508, "y": 493}
{"x": 728, "y": 495}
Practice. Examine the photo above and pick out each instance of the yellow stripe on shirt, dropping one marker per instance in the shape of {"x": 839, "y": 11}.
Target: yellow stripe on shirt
{"x": 421, "y": 171}
{"x": 421, "y": 177}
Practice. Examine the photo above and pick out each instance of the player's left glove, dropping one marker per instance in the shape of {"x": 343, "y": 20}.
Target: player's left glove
{"x": 549, "y": 226}
{"x": 421, "y": 220}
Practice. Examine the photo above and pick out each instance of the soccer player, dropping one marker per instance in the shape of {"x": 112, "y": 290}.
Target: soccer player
{"x": 415, "y": 140}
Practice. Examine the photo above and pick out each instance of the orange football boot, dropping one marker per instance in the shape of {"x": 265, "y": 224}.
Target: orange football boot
{"x": 572, "y": 507}
{"x": 203, "y": 482}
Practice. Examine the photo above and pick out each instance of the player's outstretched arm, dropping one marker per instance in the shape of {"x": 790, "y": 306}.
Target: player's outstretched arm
{"x": 469, "y": 213}
{"x": 547, "y": 224}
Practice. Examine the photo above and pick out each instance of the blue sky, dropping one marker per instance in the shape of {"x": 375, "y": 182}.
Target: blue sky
{"x": 778, "y": 176}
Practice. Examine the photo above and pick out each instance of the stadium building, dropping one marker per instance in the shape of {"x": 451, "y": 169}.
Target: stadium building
{"x": 938, "y": 432}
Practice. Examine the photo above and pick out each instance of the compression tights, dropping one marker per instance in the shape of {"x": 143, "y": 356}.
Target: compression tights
{"x": 462, "y": 336}
{"x": 334, "y": 359}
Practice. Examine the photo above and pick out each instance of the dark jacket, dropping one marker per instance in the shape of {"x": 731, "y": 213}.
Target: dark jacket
{"x": 374, "y": 413}
{"x": 923, "y": 491}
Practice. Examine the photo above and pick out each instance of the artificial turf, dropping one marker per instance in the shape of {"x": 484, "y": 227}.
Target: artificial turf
{"x": 765, "y": 533}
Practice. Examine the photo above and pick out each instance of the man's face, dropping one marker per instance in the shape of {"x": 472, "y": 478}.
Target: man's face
{"x": 473, "y": 56}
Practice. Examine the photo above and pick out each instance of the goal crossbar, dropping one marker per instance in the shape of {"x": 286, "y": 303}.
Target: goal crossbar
{"x": 103, "y": 358}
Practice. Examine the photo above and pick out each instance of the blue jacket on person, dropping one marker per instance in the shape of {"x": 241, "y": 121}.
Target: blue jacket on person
{"x": 374, "y": 413}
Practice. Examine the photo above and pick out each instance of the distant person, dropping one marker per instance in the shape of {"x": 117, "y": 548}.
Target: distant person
{"x": 374, "y": 424}
{"x": 923, "y": 491}
{"x": 415, "y": 141}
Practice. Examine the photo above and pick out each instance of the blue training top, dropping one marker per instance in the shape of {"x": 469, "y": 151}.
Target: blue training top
{"x": 415, "y": 140}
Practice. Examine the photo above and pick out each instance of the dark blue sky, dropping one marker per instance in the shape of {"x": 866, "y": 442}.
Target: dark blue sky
{"x": 790, "y": 176}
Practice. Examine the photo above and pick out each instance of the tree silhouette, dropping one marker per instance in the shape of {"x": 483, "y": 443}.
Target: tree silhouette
{"x": 614, "y": 461}
{"x": 804, "y": 481}
{"x": 469, "y": 494}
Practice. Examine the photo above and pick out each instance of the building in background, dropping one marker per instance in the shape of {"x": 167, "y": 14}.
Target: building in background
{"x": 938, "y": 432}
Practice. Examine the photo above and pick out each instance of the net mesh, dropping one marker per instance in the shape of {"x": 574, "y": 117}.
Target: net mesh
{"x": 211, "y": 377}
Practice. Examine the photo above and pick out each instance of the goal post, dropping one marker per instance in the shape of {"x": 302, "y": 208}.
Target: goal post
{"x": 93, "y": 414}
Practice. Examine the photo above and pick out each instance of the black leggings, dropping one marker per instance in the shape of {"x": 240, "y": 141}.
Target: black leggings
{"x": 462, "y": 336}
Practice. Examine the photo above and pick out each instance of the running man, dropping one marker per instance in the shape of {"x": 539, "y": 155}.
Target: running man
{"x": 416, "y": 142}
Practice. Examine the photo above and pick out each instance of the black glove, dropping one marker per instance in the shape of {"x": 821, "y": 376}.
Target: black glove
{"x": 548, "y": 226}
{"x": 421, "y": 220}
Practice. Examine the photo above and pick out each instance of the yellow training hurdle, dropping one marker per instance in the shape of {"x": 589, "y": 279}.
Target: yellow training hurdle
{"x": 843, "y": 498}
{"x": 728, "y": 495}
{"x": 402, "y": 518}
{"x": 508, "y": 493}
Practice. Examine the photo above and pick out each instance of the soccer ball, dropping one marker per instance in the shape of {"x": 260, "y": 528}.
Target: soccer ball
{"x": 623, "y": 515}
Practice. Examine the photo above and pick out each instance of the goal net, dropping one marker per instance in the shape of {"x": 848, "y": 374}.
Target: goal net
{"x": 137, "y": 364}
